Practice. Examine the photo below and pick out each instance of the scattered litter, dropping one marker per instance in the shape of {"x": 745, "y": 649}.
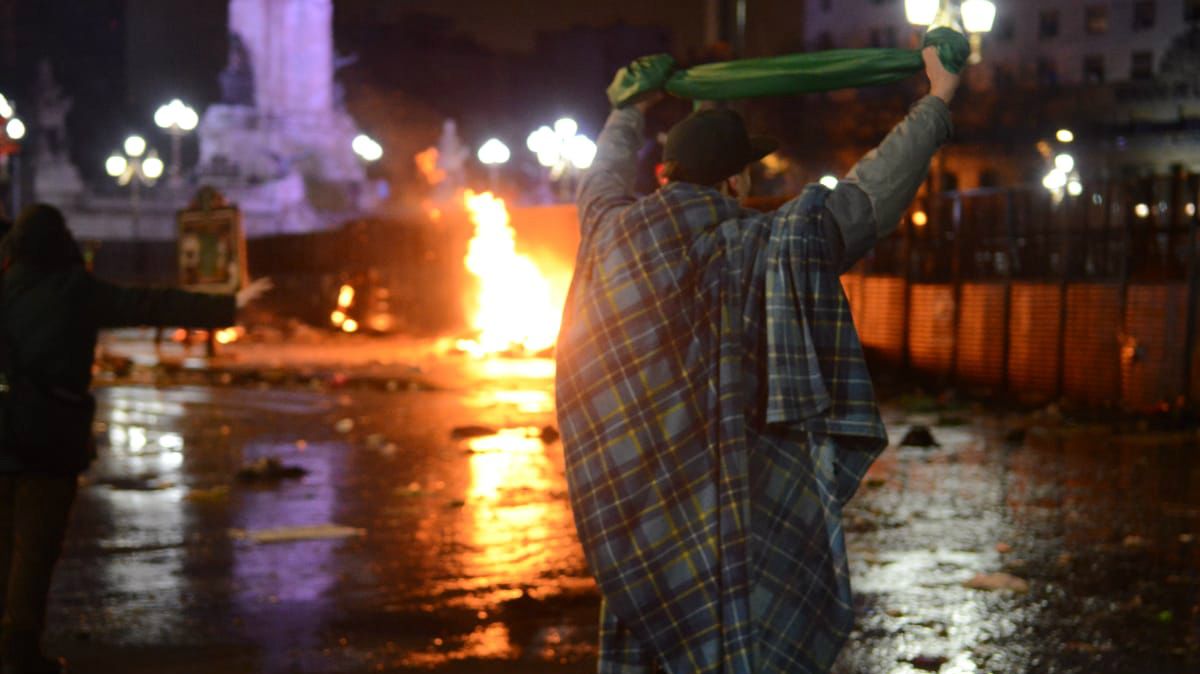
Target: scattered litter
{"x": 997, "y": 581}
{"x": 894, "y": 613}
{"x": 269, "y": 469}
{"x": 928, "y": 663}
{"x": 143, "y": 483}
{"x": 312, "y": 532}
{"x": 344, "y": 426}
{"x": 457, "y": 503}
{"x": 1134, "y": 541}
{"x": 210, "y": 495}
{"x": 464, "y": 432}
{"x": 1015, "y": 437}
{"x": 410, "y": 489}
{"x": 1003, "y": 548}
{"x": 919, "y": 436}
{"x": 550, "y": 434}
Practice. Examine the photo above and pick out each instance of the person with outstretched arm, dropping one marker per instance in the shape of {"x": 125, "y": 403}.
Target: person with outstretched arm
{"x": 51, "y": 309}
{"x": 715, "y": 408}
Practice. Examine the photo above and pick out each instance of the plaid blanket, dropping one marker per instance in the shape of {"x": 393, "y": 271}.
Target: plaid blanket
{"x": 716, "y": 414}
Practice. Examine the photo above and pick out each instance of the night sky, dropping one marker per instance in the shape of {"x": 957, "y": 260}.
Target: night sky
{"x": 484, "y": 62}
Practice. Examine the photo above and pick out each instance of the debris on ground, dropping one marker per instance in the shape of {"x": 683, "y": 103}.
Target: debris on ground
{"x": 919, "y": 436}
{"x": 270, "y": 469}
{"x": 210, "y": 495}
{"x": 471, "y": 431}
{"x": 928, "y": 663}
{"x": 996, "y": 582}
{"x": 1015, "y": 436}
{"x": 311, "y": 532}
{"x": 137, "y": 483}
{"x": 550, "y": 434}
{"x": 1003, "y": 548}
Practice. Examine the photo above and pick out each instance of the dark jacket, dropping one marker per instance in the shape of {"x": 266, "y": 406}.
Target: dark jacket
{"x": 50, "y": 320}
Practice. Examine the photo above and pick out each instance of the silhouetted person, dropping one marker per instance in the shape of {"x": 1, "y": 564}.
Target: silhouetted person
{"x": 51, "y": 309}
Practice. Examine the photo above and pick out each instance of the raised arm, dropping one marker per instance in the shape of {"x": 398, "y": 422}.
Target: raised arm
{"x": 118, "y": 306}
{"x": 868, "y": 203}
{"x": 607, "y": 187}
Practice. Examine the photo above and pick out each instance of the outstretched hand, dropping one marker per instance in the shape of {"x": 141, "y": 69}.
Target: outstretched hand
{"x": 942, "y": 82}
{"x": 254, "y": 290}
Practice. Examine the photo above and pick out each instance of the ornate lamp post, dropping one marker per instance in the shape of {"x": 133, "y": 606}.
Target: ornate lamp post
{"x": 978, "y": 16}
{"x": 494, "y": 154}
{"x": 12, "y": 132}
{"x": 178, "y": 120}
{"x": 138, "y": 166}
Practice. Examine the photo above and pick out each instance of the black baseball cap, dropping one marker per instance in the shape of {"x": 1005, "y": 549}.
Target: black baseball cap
{"x": 709, "y": 146}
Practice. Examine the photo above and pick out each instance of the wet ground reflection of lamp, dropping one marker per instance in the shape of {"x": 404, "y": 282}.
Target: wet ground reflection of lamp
{"x": 138, "y": 166}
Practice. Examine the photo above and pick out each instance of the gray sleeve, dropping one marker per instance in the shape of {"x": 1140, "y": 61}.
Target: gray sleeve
{"x": 607, "y": 186}
{"x": 868, "y": 203}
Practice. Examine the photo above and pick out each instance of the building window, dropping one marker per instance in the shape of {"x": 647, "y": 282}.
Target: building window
{"x": 1142, "y": 67}
{"x": 1048, "y": 23}
{"x": 1093, "y": 69}
{"x": 1095, "y": 19}
{"x": 883, "y": 37}
{"x": 1006, "y": 29}
{"x": 1047, "y": 71}
{"x": 1143, "y": 14}
{"x": 824, "y": 41}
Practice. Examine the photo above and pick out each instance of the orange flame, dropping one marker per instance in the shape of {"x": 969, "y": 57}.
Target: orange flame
{"x": 517, "y": 307}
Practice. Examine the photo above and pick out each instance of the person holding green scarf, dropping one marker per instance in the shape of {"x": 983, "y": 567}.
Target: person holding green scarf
{"x": 715, "y": 406}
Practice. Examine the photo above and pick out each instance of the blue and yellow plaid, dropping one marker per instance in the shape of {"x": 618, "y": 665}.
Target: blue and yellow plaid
{"x": 716, "y": 413}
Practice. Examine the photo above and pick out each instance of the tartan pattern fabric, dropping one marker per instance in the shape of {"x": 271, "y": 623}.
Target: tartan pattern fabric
{"x": 716, "y": 413}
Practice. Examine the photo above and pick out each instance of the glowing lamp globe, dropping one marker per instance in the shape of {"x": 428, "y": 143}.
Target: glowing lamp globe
{"x": 152, "y": 167}
{"x": 494, "y": 152}
{"x": 15, "y": 129}
{"x": 921, "y": 12}
{"x": 829, "y": 182}
{"x": 135, "y": 146}
{"x": 115, "y": 165}
{"x": 978, "y": 15}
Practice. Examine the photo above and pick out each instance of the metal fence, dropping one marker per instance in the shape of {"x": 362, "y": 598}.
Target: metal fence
{"x": 1018, "y": 291}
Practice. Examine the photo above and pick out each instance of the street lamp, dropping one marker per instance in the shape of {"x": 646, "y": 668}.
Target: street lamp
{"x": 494, "y": 154}
{"x": 138, "y": 166}
{"x": 562, "y": 147}
{"x": 365, "y": 147}
{"x": 177, "y": 119}
{"x": 978, "y": 17}
{"x": 10, "y": 149}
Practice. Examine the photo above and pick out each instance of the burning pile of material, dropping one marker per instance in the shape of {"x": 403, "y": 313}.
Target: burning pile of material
{"x": 516, "y": 311}
{"x": 339, "y": 317}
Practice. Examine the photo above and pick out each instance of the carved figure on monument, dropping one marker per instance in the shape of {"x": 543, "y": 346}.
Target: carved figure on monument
{"x": 451, "y": 160}
{"x": 52, "y": 109}
{"x": 237, "y": 79}
{"x": 55, "y": 178}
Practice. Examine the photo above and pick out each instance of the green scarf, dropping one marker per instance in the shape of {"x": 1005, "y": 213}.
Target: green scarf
{"x": 784, "y": 75}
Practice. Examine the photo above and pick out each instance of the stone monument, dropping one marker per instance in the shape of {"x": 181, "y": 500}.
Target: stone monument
{"x": 56, "y": 180}
{"x": 279, "y": 140}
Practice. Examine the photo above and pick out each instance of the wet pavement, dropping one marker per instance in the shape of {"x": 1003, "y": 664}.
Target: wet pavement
{"x": 430, "y": 530}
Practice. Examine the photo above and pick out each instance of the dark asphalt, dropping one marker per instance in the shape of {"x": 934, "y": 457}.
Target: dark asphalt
{"x": 457, "y": 554}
